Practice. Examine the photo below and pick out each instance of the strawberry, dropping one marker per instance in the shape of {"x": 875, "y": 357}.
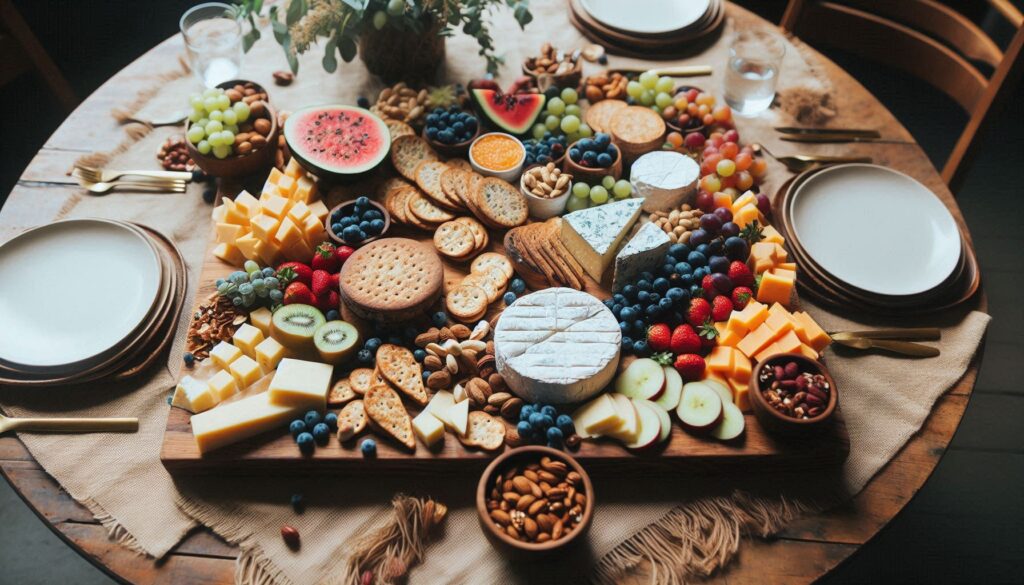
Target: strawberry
{"x": 342, "y": 253}
{"x": 327, "y": 301}
{"x": 658, "y": 336}
{"x": 334, "y": 279}
{"x": 708, "y": 284}
{"x": 740, "y": 274}
{"x": 297, "y": 272}
{"x": 741, "y": 295}
{"x": 708, "y": 335}
{"x": 324, "y": 258}
{"x": 298, "y": 293}
{"x": 321, "y": 283}
{"x": 721, "y": 308}
{"x": 698, "y": 313}
{"x": 685, "y": 340}
{"x": 690, "y": 366}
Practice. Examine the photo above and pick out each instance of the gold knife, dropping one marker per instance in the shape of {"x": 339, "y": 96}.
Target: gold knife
{"x": 907, "y": 334}
{"x": 867, "y": 133}
{"x": 902, "y": 347}
{"x": 681, "y": 71}
{"x": 836, "y": 138}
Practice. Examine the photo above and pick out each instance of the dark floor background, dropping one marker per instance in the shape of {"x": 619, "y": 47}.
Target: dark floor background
{"x": 965, "y": 525}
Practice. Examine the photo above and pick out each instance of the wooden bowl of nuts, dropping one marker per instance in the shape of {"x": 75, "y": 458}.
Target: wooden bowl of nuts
{"x": 546, "y": 189}
{"x": 244, "y": 90}
{"x": 534, "y": 500}
{"x": 793, "y": 395}
{"x": 252, "y": 151}
{"x": 562, "y": 69}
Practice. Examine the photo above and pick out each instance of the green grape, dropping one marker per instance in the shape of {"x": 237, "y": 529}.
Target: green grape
{"x": 572, "y": 137}
{"x": 203, "y": 122}
{"x": 227, "y": 137}
{"x": 221, "y": 151}
{"x": 570, "y": 96}
{"x": 656, "y": 109}
{"x": 647, "y": 98}
{"x": 585, "y": 131}
{"x": 210, "y": 104}
{"x": 229, "y": 117}
{"x": 648, "y": 79}
{"x": 622, "y": 189}
{"x": 217, "y": 116}
{"x": 663, "y": 100}
{"x": 233, "y": 128}
{"x": 608, "y": 182}
{"x": 204, "y": 147}
{"x": 223, "y": 102}
{"x": 598, "y": 194}
{"x": 664, "y": 85}
{"x": 250, "y": 266}
{"x": 634, "y": 89}
{"x": 395, "y": 7}
{"x": 196, "y": 115}
{"x": 195, "y": 134}
{"x": 211, "y": 92}
{"x": 380, "y": 18}
{"x": 196, "y": 101}
{"x": 552, "y": 122}
{"x": 241, "y": 110}
{"x": 556, "y": 106}
{"x": 581, "y": 190}
{"x": 538, "y": 131}
{"x": 570, "y": 124}
{"x": 576, "y": 203}
{"x": 573, "y": 110}
{"x": 213, "y": 126}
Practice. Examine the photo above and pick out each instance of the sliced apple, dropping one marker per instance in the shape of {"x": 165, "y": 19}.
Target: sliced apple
{"x": 649, "y": 427}
{"x": 732, "y": 424}
{"x": 666, "y": 422}
{"x": 700, "y": 408}
{"x": 626, "y": 431}
{"x": 723, "y": 391}
{"x": 643, "y": 378}
{"x": 669, "y": 399}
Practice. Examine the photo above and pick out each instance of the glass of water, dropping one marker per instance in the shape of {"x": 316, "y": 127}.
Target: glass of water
{"x": 213, "y": 41}
{"x": 755, "y": 58}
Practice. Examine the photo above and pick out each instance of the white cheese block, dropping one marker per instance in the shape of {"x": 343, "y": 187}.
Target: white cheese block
{"x": 596, "y": 417}
{"x": 193, "y": 395}
{"x": 664, "y": 179}
{"x": 458, "y": 418}
{"x": 593, "y": 235}
{"x": 301, "y": 383}
{"x": 235, "y": 421}
{"x": 440, "y": 405}
{"x": 557, "y": 345}
{"x": 644, "y": 252}
{"x": 627, "y": 431}
{"x": 459, "y": 392}
{"x": 428, "y": 428}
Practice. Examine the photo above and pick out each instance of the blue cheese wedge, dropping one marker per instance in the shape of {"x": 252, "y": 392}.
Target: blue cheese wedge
{"x": 593, "y": 235}
{"x": 644, "y": 252}
{"x": 664, "y": 179}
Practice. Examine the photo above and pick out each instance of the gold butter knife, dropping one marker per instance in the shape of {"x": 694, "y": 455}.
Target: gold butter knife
{"x": 838, "y": 138}
{"x": 865, "y": 132}
{"x": 901, "y": 347}
{"x": 907, "y": 334}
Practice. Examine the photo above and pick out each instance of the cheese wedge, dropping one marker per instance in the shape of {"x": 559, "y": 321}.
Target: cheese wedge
{"x": 240, "y": 420}
{"x": 629, "y": 428}
{"x": 597, "y": 416}
{"x": 441, "y": 405}
{"x": 301, "y": 383}
{"x": 428, "y": 428}
{"x": 193, "y": 395}
{"x": 593, "y": 235}
{"x": 458, "y": 417}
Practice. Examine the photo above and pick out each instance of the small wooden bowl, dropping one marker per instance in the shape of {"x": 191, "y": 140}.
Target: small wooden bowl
{"x": 239, "y": 165}
{"x": 459, "y": 149}
{"x": 672, "y": 126}
{"x": 337, "y": 239}
{"x": 592, "y": 175}
{"x": 530, "y": 550}
{"x": 225, "y": 85}
{"x": 777, "y": 422}
{"x": 571, "y": 79}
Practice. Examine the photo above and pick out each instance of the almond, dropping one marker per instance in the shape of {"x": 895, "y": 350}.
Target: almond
{"x": 439, "y": 379}
{"x": 460, "y": 331}
{"x": 433, "y": 363}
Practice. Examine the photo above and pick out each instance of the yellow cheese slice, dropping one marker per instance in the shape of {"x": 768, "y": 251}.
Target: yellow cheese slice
{"x": 440, "y": 405}
{"x": 458, "y": 417}
{"x": 301, "y": 383}
{"x": 428, "y": 428}
{"x": 239, "y": 420}
{"x": 597, "y": 416}
{"x": 223, "y": 385}
{"x": 193, "y": 395}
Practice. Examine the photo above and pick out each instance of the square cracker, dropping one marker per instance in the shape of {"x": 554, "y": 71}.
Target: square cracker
{"x": 399, "y": 367}
{"x": 483, "y": 431}
{"x": 385, "y": 410}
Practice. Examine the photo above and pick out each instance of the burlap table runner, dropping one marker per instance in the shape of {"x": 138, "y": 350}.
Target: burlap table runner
{"x": 120, "y": 479}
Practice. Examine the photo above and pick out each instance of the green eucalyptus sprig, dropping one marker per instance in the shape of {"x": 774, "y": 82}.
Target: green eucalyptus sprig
{"x": 340, "y": 23}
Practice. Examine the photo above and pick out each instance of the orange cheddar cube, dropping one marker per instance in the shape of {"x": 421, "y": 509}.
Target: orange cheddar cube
{"x": 274, "y": 177}
{"x": 743, "y": 200}
{"x": 776, "y": 314}
{"x": 229, "y": 232}
{"x": 247, "y": 246}
{"x": 276, "y": 206}
{"x": 298, "y": 213}
{"x": 770, "y": 234}
{"x": 756, "y": 340}
{"x": 779, "y": 253}
{"x": 720, "y": 359}
{"x": 751, "y": 316}
{"x": 775, "y": 288}
{"x": 268, "y": 252}
{"x": 319, "y": 210}
{"x": 288, "y": 233}
{"x": 229, "y": 254}
{"x": 791, "y": 266}
{"x": 767, "y": 352}
{"x": 747, "y": 214}
{"x": 314, "y": 231}
{"x": 265, "y": 226}
{"x": 741, "y": 367}
{"x": 807, "y": 351}
{"x": 788, "y": 343}
{"x": 305, "y": 190}
{"x": 294, "y": 169}
{"x": 814, "y": 335}
{"x": 286, "y": 185}
{"x": 269, "y": 190}
{"x": 783, "y": 273}
{"x": 729, "y": 337}
{"x": 722, "y": 199}
{"x": 740, "y": 394}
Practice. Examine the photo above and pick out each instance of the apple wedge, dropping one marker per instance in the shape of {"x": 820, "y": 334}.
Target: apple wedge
{"x": 627, "y": 431}
{"x": 669, "y": 399}
{"x": 732, "y": 424}
{"x": 644, "y": 378}
{"x": 649, "y": 425}
{"x": 723, "y": 391}
{"x": 700, "y": 408}
{"x": 666, "y": 422}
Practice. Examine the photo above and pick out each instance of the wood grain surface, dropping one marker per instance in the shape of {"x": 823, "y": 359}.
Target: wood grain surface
{"x": 807, "y": 550}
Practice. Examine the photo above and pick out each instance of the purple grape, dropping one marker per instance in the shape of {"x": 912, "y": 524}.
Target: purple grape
{"x": 729, "y": 229}
{"x": 764, "y": 205}
{"x": 724, "y": 214}
{"x": 736, "y": 248}
{"x": 722, "y": 283}
{"x": 711, "y": 223}
{"x": 719, "y": 264}
{"x": 699, "y": 236}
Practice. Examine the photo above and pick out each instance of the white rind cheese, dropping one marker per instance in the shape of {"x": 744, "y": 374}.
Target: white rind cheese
{"x": 557, "y": 346}
{"x": 593, "y": 235}
{"x": 644, "y": 251}
{"x": 664, "y": 179}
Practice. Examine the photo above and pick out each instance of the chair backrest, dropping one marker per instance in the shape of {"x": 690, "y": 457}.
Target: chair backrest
{"x": 928, "y": 40}
{"x": 22, "y": 51}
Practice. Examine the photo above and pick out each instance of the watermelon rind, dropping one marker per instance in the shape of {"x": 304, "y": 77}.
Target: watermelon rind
{"x": 342, "y": 170}
{"x": 517, "y": 119}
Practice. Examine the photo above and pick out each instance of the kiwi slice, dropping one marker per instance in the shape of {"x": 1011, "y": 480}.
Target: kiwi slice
{"x": 293, "y": 326}
{"x": 336, "y": 340}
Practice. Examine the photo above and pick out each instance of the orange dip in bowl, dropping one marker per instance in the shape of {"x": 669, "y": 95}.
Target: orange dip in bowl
{"x": 497, "y": 152}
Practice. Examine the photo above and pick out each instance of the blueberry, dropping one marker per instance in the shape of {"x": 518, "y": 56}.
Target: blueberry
{"x": 640, "y": 347}
{"x": 612, "y": 151}
{"x": 376, "y": 227}
{"x": 509, "y": 298}
{"x": 655, "y": 297}
{"x": 695, "y": 291}
{"x": 189, "y": 359}
{"x": 564, "y": 422}
{"x": 431, "y": 131}
{"x": 364, "y": 356}
{"x": 683, "y": 268}
{"x": 715, "y": 246}
{"x": 617, "y": 310}
{"x": 660, "y": 285}
{"x": 333, "y": 315}
{"x": 372, "y": 214}
{"x": 347, "y": 221}
{"x": 350, "y": 233}
{"x": 643, "y": 284}
{"x": 736, "y": 248}
{"x": 209, "y": 194}
{"x": 653, "y": 311}
{"x": 331, "y": 419}
{"x": 536, "y": 420}
{"x": 550, "y": 411}
{"x": 543, "y": 159}
{"x": 603, "y": 59}
{"x": 700, "y": 273}
{"x": 420, "y": 355}
{"x": 363, "y": 201}
{"x": 702, "y": 248}
{"x": 640, "y": 327}
{"x": 426, "y": 375}
{"x": 629, "y": 291}
{"x": 312, "y": 417}
{"x": 297, "y": 426}
{"x": 518, "y": 286}
{"x": 679, "y": 250}
{"x": 590, "y": 157}
{"x": 697, "y": 259}
{"x": 524, "y": 429}
{"x": 439, "y": 319}
{"x": 298, "y": 504}
{"x": 675, "y": 294}
{"x": 526, "y": 411}
{"x": 306, "y": 443}
{"x": 364, "y": 226}
{"x": 362, "y": 102}
{"x": 627, "y": 342}
{"x": 321, "y": 433}
{"x": 587, "y": 144}
{"x": 547, "y": 421}
{"x": 625, "y": 327}
{"x": 665, "y": 304}
{"x": 574, "y": 154}
{"x": 604, "y": 160}
{"x": 555, "y": 435}
{"x": 368, "y": 447}
{"x": 198, "y": 176}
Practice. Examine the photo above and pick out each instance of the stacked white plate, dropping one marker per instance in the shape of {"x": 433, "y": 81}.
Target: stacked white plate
{"x": 85, "y": 299}
{"x": 654, "y": 29}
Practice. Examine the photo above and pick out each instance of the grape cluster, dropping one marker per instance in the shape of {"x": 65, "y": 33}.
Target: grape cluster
{"x": 562, "y": 115}
{"x": 214, "y": 122}
{"x": 451, "y": 126}
{"x": 545, "y": 149}
{"x": 594, "y": 152}
{"x": 584, "y": 195}
{"x": 358, "y": 221}
{"x": 728, "y": 170}
{"x": 541, "y": 423}
{"x": 651, "y": 90}
{"x": 692, "y": 109}
{"x": 252, "y": 286}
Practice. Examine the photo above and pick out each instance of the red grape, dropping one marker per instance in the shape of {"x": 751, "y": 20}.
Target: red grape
{"x": 711, "y": 223}
{"x": 724, "y": 214}
{"x": 764, "y": 205}
{"x": 732, "y": 136}
{"x": 694, "y": 140}
{"x": 729, "y": 150}
{"x": 705, "y": 202}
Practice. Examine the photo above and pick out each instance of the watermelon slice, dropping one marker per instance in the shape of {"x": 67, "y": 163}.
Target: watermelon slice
{"x": 337, "y": 142}
{"x": 513, "y": 113}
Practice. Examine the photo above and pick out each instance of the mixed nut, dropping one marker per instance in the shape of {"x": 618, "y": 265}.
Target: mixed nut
{"x": 539, "y": 502}
{"x": 173, "y": 155}
{"x": 546, "y": 181}
{"x": 247, "y": 92}
{"x": 401, "y": 102}
{"x": 793, "y": 392}
{"x": 605, "y": 86}
{"x": 552, "y": 62}
{"x": 214, "y": 321}
{"x": 678, "y": 223}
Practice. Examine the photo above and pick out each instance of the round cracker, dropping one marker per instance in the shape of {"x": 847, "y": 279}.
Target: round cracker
{"x": 360, "y": 380}
{"x": 501, "y": 202}
{"x": 407, "y": 152}
{"x": 428, "y": 177}
{"x": 454, "y": 239}
{"x": 467, "y": 302}
{"x": 488, "y": 260}
{"x": 459, "y": 163}
{"x": 479, "y": 232}
{"x": 397, "y": 202}
{"x": 490, "y": 287}
{"x": 425, "y": 209}
{"x": 398, "y": 128}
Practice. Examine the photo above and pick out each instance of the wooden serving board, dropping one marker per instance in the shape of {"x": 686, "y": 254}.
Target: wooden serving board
{"x": 275, "y": 451}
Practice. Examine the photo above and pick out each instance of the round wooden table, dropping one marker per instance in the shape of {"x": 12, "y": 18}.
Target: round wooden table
{"x": 807, "y": 550}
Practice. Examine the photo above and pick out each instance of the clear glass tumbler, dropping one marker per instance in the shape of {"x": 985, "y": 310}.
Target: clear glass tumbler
{"x": 755, "y": 58}
{"x": 213, "y": 41}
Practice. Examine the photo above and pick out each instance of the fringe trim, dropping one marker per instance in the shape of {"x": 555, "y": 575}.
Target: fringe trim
{"x": 115, "y": 531}
{"x": 253, "y": 568}
{"x": 126, "y": 114}
{"x": 699, "y": 538}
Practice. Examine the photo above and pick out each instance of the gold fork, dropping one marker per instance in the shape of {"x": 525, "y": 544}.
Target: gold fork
{"x": 101, "y": 188}
{"x": 98, "y": 175}
{"x": 799, "y": 163}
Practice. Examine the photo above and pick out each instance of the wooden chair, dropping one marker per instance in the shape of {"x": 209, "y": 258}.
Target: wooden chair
{"x": 22, "y": 52}
{"x": 928, "y": 40}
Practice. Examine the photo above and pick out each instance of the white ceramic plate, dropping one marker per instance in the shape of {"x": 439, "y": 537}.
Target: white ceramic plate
{"x": 876, "y": 229}
{"x": 73, "y": 291}
{"x": 646, "y": 16}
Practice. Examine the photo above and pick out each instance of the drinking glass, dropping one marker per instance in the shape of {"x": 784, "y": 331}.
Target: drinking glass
{"x": 213, "y": 41}
{"x": 755, "y": 58}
